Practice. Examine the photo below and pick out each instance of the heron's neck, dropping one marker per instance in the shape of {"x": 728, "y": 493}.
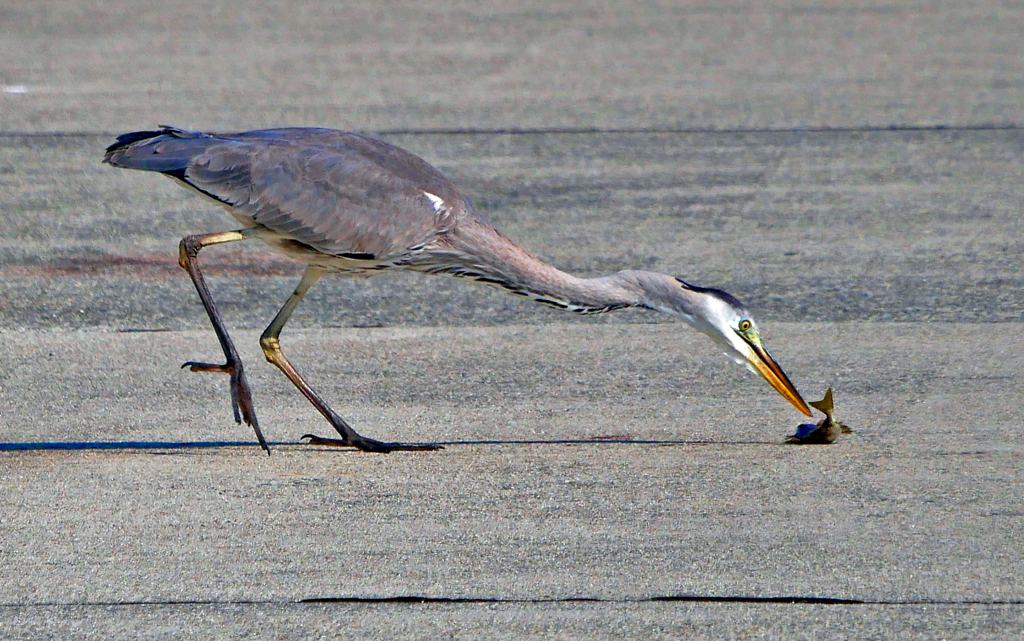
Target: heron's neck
{"x": 479, "y": 252}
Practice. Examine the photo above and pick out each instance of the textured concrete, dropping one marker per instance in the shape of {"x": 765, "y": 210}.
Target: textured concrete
{"x": 600, "y": 462}
{"x": 583, "y": 621}
{"x": 79, "y": 66}
{"x": 826, "y": 226}
{"x": 606, "y": 477}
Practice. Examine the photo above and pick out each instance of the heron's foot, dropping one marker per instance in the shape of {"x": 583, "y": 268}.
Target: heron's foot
{"x": 195, "y": 366}
{"x": 370, "y": 445}
{"x": 241, "y": 395}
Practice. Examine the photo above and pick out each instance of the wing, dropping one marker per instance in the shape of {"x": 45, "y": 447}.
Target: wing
{"x": 338, "y": 192}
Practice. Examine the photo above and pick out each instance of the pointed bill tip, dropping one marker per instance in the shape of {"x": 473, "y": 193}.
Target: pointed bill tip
{"x": 772, "y": 373}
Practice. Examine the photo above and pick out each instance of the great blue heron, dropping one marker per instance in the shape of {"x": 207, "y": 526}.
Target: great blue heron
{"x": 342, "y": 202}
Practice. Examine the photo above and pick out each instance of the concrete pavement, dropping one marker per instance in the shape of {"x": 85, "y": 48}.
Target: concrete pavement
{"x": 542, "y": 63}
{"x": 540, "y": 493}
{"x": 602, "y": 478}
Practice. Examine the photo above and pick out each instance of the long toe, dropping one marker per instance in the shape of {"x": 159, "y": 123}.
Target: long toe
{"x": 313, "y": 439}
{"x": 371, "y": 445}
{"x": 241, "y": 396}
{"x": 207, "y": 367}
{"x": 413, "y": 447}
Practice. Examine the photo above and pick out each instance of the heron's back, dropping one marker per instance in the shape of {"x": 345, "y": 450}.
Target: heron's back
{"x": 339, "y": 193}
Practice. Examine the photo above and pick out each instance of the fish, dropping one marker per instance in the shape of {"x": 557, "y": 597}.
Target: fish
{"x": 826, "y": 431}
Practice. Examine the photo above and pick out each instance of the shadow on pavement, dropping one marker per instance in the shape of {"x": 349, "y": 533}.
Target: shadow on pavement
{"x": 171, "y": 445}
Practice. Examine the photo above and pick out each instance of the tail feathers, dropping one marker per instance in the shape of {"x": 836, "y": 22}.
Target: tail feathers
{"x": 145, "y": 150}
{"x": 125, "y": 140}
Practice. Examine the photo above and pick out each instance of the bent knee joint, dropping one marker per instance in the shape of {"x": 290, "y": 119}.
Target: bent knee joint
{"x": 189, "y": 246}
{"x": 187, "y": 249}
{"x": 271, "y": 347}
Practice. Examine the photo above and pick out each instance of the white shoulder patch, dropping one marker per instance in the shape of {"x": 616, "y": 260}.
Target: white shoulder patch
{"x": 436, "y": 201}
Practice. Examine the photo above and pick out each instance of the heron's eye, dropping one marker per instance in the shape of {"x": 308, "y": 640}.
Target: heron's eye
{"x": 744, "y": 325}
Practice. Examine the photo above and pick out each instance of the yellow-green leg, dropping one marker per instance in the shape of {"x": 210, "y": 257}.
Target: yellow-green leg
{"x": 271, "y": 345}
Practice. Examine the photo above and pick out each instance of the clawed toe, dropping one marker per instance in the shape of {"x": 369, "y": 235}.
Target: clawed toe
{"x": 320, "y": 440}
{"x": 241, "y": 397}
{"x": 414, "y": 447}
{"x": 207, "y": 367}
{"x": 370, "y": 445}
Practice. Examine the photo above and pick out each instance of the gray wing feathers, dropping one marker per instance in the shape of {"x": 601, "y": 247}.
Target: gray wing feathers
{"x": 222, "y": 172}
{"x": 338, "y": 202}
{"x": 335, "y": 191}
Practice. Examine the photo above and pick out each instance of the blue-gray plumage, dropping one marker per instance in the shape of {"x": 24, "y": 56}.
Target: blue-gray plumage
{"x": 345, "y": 203}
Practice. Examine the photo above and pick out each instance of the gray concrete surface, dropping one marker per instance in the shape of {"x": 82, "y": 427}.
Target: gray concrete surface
{"x": 617, "y": 459}
{"x": 814, "y": 226}
{"x": 530, "y": 500}
{"x": 535, "y": 63}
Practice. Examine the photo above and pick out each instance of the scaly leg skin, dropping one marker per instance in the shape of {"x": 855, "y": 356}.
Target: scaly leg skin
{"x": 241, "y": 396}
{"x": 271, "y": 345}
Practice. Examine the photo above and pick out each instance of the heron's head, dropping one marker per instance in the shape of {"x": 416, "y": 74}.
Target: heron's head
{"x": 726, "y": 320}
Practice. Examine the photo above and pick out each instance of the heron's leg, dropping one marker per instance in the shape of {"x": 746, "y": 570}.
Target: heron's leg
{"x": 241, "y": 396}
{"x": 271, "y": 345}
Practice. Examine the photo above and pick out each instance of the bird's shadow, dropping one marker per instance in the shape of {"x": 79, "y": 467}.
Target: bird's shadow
{"x": 186, "y": 445}
{"x": 124, "y": 445}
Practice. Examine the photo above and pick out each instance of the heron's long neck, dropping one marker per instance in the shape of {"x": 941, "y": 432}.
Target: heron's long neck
{"x": 479, "y": 252}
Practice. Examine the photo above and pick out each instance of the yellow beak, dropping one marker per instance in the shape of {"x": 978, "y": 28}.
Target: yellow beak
{"x": 772, "y": 373}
